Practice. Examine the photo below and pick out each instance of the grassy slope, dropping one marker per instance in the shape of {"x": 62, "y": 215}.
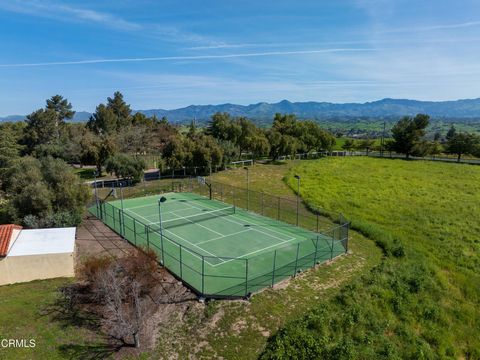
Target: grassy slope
{"x": 238, "y": 329}
{"x": 27, "y": 312}
{"x": 433, "y": 210}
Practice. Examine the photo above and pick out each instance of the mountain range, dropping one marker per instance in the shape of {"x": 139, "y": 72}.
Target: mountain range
{"x": 264, "y": 112}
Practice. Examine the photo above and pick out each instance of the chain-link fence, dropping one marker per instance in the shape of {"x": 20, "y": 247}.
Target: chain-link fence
{"x": 223, "y": 277}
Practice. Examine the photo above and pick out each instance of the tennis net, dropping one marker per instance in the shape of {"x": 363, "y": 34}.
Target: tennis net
{"x": 205, "y": 215}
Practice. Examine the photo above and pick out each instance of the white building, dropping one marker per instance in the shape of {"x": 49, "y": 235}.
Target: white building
{"x": 27, "y": 255}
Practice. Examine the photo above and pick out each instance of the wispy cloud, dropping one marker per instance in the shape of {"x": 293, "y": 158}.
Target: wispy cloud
{"x": 191, "y": 58}
{"x": 462, "y": 25}
{"x": 62, "y": 12}
{"x": 67, "y": 13}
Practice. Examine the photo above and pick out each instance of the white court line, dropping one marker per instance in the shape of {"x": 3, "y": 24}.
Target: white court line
{"x": 255, "y": 229}
{"x": 148, "y": 205}
{"x": 163, "y": 213}
{"x": 195, "y": 223}
{"x": 244, "y": 222}
{"x": 178, "y": 236}
{"x": 253, "y": 252}
{"x": 223, "y": 236}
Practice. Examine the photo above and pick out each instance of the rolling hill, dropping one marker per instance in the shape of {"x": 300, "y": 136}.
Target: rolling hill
{"x": 263, "y": 112}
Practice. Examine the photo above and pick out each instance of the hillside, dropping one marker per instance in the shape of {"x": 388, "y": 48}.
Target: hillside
{"x": 461, "y": 110}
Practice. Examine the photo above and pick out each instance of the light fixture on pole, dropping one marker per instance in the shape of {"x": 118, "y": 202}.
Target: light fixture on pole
{"x": 298, "y": 194}
{"x": 248, "y": 189}
{"x": 160, "y": 201}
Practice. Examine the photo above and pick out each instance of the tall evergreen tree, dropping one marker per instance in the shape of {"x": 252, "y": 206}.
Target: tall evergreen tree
{"x": 63, "y": 110}
{"x": 121, "y": 110}
{"x": 408, "y": 132}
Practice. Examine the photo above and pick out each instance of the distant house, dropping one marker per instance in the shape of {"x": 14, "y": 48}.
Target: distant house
{"x": 27, "y": 255}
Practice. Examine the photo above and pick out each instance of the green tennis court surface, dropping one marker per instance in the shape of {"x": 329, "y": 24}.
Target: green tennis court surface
{"x": 216, "y": 249}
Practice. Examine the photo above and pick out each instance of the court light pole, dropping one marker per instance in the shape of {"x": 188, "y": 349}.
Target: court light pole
{"x": 160, "y": 201}
{"x": 248, "y": 189}
{"x": 298, "y": 194}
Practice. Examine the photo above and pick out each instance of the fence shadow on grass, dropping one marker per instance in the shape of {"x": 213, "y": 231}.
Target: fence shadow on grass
{"x": 88, "y": 351}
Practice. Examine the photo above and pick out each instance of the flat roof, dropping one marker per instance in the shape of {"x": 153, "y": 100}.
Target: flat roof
{"x": 44, "y": 241}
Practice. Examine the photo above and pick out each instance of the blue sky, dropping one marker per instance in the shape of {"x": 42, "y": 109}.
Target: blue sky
{"x": 173, "y": 53}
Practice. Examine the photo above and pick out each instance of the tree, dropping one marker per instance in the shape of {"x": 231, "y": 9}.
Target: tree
{"x": 461, "y": 143}
{"x": 407, "y": 132}
{"x": 312, "y": 137}
{"x": 259, "y": 145}
{"x": 111, "y": 117}
{"x": 40, "y": 129}
{"x": 366, "y": 144}
{"x": 451, "y": 132}
{"x": 205, "y": 152}
{"x": 349, "y": 144}
{"x": 223, "y": 127}
{"x": 96, "y": 149}
{"x": 45, "y": 192}
{"x": 9, "y": 147}
{"x": 62, "y": 109}
{"x": 125, "y": 167}
{"x": 176, "y": 153}
{"x": 281, "y": 144}
{"x": 192, "y": 130}
{"x": 103, "y": 121}
{"x": 120, "y": 109}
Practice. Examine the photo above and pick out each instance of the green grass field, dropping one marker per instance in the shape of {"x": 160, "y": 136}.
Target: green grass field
{"x": 29, "y": 311}
{"x": 423, "y": 301}
{"x": 217, "y": 249}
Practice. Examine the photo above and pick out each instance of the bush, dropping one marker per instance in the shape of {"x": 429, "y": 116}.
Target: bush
{"x": 44, "y": 193}
{"x": 125, "y": 167}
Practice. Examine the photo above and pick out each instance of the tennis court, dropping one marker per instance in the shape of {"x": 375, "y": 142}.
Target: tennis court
{"x": 215, "y": 248}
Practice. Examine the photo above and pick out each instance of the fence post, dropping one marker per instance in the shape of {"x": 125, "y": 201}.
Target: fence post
{"x": 148, "y": 236}
{"x": 246, "y": 277}
{"x": 113, "y": 216}
{"x": 347, "y": 226}
{"x": 122, "y": 217}
{"x": 161, "y": 244}
{"x": 181, "y": 271}
{"x": 333, "y": 239}
{"x": 233, "y": 195}
{"x": 203, "y": 275}
{"x": 318, "y": 217}
{"x": 296, "y": 259}
{"x": 135, "y": 231}
{"x": 316, "y": 252}
{"x": 274, "y": 264}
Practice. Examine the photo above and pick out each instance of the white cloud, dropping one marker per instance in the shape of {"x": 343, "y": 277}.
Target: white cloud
{"x": 191, "y": 58}
{"x": 433, "y": 27}
{"x": 67, "y": 13}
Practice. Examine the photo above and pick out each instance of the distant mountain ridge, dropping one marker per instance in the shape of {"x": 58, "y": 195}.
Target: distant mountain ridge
{"x": 385, "y": 108}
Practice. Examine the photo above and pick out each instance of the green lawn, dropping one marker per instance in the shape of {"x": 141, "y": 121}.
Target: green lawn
{"x": 28, "y": 311}
{"x": 423, "y": 301}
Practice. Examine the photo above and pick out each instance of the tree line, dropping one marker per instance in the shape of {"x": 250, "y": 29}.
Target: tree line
{"x": 408, "y": 137}
{"x": 114, "y": 140}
